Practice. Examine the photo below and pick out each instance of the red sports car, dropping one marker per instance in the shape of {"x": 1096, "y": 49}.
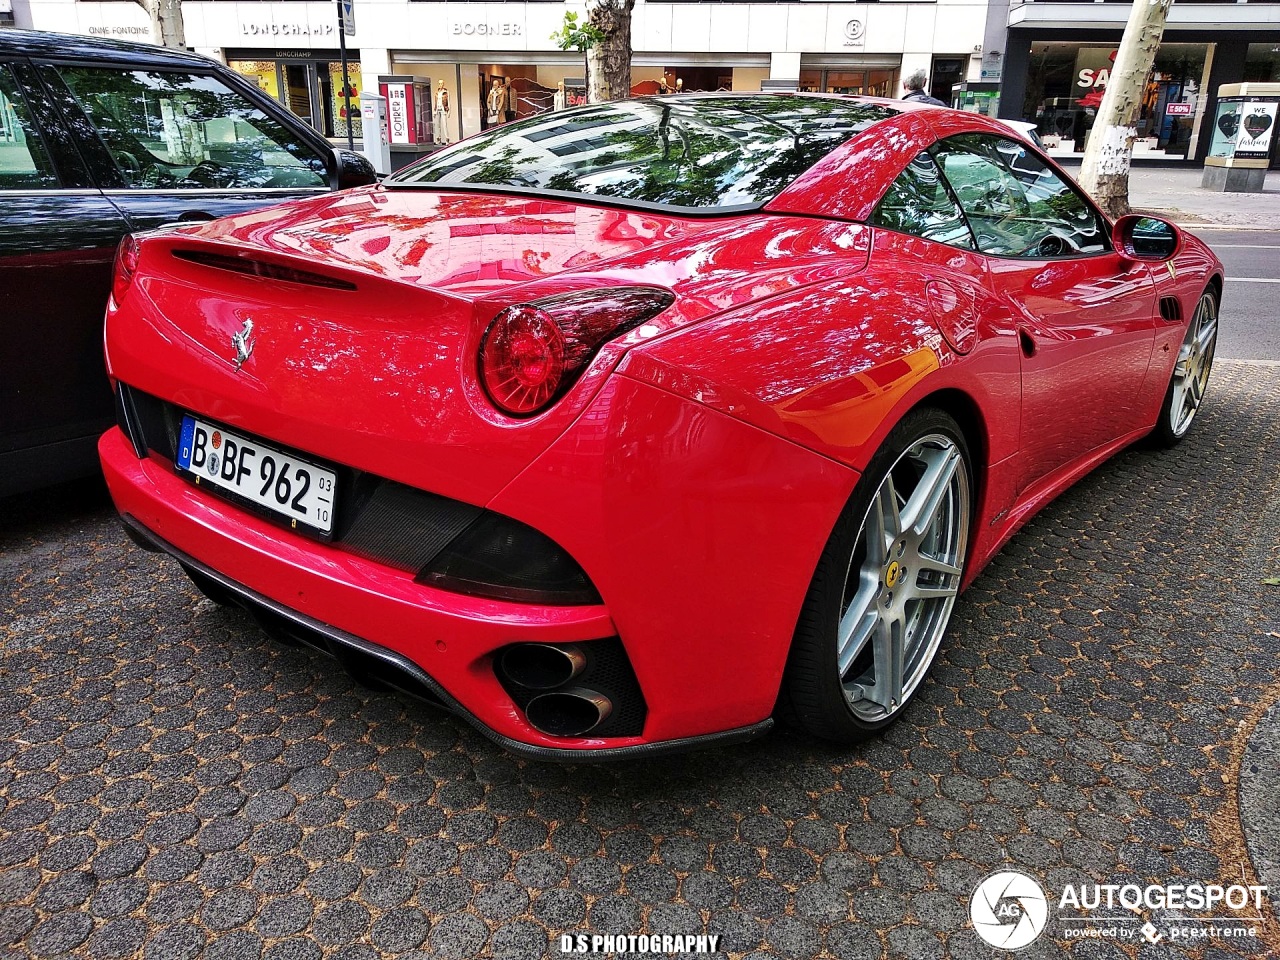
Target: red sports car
{"x": 631, "y": 427}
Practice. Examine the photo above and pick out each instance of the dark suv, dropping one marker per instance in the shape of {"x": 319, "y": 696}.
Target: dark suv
{"x": 98, "y": 139}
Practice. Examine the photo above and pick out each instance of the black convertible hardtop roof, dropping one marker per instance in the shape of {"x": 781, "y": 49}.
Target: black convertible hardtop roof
{"x": 65, "y": 46}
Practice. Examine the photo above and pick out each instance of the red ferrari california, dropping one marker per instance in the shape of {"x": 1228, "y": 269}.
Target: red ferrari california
{"x": 632, "y": 427}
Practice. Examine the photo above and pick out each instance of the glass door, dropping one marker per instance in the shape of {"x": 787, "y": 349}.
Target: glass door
{"x": 299, "y": 81}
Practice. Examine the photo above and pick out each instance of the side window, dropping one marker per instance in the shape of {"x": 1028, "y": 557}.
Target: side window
{"x": 24, "y": 161}
{"x": 918, "y": 203}
{"x": 1015, "y": 204}
{"x": 993, "y": 201}
{"x": 183, "y": 130}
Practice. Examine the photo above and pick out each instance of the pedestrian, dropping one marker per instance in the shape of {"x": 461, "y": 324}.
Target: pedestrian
{"x": 914, "y": 85}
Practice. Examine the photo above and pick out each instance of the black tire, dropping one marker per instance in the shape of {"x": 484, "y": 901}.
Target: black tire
{"x": 211, "y": 589}
{"x": 1170, "y": 429}
{"x": 813, "y": 697}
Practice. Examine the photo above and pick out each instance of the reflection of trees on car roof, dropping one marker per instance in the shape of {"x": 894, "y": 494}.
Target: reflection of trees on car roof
{"x": 707, "y": 152}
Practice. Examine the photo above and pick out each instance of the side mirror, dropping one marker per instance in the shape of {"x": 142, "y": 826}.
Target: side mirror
{"x": 349, "y": 170}
{"x": 1136, "y": 237}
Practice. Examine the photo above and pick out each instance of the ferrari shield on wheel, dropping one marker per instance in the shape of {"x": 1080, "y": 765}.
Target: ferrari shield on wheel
{"x": 886, "y": 584}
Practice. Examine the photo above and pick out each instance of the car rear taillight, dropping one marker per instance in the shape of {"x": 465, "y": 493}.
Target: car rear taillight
{"x": 126, "y": 267}
{"x": 533, "y": 352}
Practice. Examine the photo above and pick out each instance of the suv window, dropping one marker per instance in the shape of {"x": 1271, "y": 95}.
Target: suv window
{"x": 919, "y": 203}
{"x": 1015, "y": 204}
{"x": 24, "y": 162}
{"x": 182, "y": 130}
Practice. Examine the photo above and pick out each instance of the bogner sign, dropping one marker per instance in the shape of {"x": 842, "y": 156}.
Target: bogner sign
{"x": 470, "y": 28}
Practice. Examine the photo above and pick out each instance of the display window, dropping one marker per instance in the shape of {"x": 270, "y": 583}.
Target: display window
{"x": 865, "y": 83}
{"x": 1066, "y": 82}
{"x": 310, "y": 88}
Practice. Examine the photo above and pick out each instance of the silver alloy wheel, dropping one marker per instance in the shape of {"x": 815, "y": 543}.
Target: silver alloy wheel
{"x": 1195, "y": 361}
{"x": 903, "y": 577}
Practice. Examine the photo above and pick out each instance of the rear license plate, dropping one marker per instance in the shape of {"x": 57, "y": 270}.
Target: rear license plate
{"x": 293, "y": 488}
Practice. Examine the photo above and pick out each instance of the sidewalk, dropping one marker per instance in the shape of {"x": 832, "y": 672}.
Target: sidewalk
{"x": 1176, "y": 195}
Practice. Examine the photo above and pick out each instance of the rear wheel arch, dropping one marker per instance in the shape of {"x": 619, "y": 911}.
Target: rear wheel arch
{"x": 813, "y": 695}
{"x": 962, "y": 408}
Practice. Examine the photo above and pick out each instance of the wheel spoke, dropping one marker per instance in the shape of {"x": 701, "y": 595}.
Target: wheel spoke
{"x": 1186, "y": 361}
{"x": 888, "y": 647}
{"x": 882, "y": 523}
{"x": 929, "y": 493}
{"x": 935, "y": 591}
{"x": 1196, "y": 389}
{"x": 1178, "y": 402}
{"x": 856, "y": 625}
{"x": 1206, "y": 333}
{"x": 933, "y": 564}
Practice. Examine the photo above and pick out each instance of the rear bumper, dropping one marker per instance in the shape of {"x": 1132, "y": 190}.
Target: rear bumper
{"x": 434, "y": 641}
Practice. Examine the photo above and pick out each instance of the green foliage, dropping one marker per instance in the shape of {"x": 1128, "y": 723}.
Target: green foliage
{"x": 573, "y": 35}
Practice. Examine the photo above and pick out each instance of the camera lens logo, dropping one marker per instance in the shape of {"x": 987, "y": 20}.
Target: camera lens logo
{"x": 1009, "y": 910}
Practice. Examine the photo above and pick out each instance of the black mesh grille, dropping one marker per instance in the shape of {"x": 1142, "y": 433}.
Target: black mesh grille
{"x": 608, "y": 671}
{"x": 376, "y": 518}
{"x": 146, "y": 421}
{"x": 407, "y": 525}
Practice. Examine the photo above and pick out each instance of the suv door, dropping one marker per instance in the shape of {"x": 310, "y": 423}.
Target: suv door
{"x": 58, "y": 236}
{"x": 1086, "y": 317}
{"x": 172, "y": 144}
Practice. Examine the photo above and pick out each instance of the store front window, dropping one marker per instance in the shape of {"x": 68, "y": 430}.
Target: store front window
{"x": 1066, "y": 82}
{"x": 310, "y": 87}
{"x": 1262, "y": 64}
{"x": 866, "y": 83}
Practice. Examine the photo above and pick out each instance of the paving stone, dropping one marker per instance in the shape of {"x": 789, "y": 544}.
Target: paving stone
{"x": 174, "y": 785}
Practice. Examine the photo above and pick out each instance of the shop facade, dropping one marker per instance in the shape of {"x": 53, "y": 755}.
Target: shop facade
{"x": 1058, "y": 58}
{"x": 289, "y": 48}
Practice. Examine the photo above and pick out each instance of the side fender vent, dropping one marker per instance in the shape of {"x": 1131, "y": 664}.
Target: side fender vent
{"x": 1171, "y": 309}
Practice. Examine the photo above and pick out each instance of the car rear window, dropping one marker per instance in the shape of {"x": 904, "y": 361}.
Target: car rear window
{"x": 691, "y": 153}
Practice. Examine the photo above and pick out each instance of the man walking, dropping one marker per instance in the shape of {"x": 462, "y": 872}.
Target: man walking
{"x": 914, "y": 85}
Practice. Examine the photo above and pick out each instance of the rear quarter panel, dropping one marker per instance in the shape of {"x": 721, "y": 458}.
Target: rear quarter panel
{"x": 834, "y": 366}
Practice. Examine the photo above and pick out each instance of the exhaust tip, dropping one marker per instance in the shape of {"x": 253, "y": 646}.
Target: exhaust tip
{"x": 568, "y": 713}
{"x": 541, "y": 666}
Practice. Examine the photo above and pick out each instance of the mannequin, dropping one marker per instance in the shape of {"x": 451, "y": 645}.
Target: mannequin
{"x": 441, "y": 124}
{"x": 497, "y": 103}
{"x": 509, "y": 102}
{"x": 558, "y": 99}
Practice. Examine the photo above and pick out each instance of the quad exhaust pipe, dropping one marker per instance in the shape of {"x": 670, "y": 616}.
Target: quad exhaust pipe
{"x": 568, "y": 713}
{"x": 547, "y": 670}
{"x": 541, "y": 666}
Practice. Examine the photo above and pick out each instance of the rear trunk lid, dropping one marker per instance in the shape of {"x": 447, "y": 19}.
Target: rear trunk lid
{"x": 366, "y": 310}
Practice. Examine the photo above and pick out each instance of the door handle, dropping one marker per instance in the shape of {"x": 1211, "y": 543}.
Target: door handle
{"x": 1026, "y": 342}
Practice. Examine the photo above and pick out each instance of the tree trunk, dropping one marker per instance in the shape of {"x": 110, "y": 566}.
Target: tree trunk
{"x": 1104, "y": 172}
{"x": 166, "y": 22}
{"x": 609, "y": 60}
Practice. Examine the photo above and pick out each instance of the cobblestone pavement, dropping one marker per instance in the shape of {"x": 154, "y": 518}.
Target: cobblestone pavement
{"x": 174, "y": 785}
